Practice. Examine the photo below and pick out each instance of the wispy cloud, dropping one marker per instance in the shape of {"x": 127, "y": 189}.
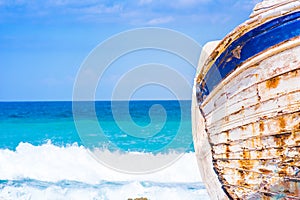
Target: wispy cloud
{"x": 97, "y": 9}
{"x": 70, "y": 2}
{"x": 65, "y": 10}
{"x": 141, "y": 12}
{"x": 160, "y": 20}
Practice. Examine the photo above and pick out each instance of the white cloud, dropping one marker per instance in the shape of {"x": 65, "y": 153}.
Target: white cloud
{"x": 140, "y": 12}
{"x": 161, "y": 20}
{"x": 94, "y": 6}
{"x": 97, "y": 9}
{"x": 70, "y": 2}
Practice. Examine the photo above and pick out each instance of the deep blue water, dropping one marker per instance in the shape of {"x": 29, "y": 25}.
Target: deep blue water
{"x": 38, "y": 122}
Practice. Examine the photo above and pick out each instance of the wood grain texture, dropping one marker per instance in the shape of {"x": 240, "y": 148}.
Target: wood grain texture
{"x": 255, "y": 132}
{"x": 201, "y": 142}
{"x": 247, "y": 130}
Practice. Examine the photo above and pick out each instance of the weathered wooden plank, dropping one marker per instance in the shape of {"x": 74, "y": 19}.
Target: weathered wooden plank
{"x": 263, "y": 183}
{"x": 258, "y": 144}
{"x": 248, "y": 122}
{"x": 271, "y": 7}
{"x": 252, "y": 23}
{"x": 267, "y": 90}
{"x": 243, "y": 192}
{"x": 267, "y": 167}
{"x": 264, "y": 154}
{"x": 279, "y": 85}
{"x": 247, "y": 79}
{"x": 201, "y": 142}
{"x": 284, "y": 104}
{"x": 265, "y": 127}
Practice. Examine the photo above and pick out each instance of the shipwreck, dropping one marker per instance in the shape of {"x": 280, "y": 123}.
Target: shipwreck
{"x": 246, "y": 107}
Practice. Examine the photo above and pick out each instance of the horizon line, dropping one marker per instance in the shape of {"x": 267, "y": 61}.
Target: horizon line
{"x": 96, "y": 100}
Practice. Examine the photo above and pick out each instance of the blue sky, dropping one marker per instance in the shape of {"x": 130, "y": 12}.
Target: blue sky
{"x": 44, "y": 42}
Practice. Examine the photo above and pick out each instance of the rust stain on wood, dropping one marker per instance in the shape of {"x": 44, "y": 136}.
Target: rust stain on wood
{"x": 282, "y": 123}
{"x": 280, "y": 139}
{"x": 261, "y": 126}
{"x": 273, "y": 82}
{"x": 227, "y": 145}
{"x": 227, "y": 151}
{"x": 226, "y": 118}
{"x": 265, "y": 171}
{"x": 263, "y": 160}
{"x": 251, "y": 169}
{"x": 246, "y": 163}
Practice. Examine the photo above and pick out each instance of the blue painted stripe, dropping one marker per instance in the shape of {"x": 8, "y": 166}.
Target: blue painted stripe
{"x": 250, "y": 44}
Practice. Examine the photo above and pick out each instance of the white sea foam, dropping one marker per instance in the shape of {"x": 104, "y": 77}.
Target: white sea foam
{"x": 131, "y": 190}
{"x": 53, "y": 164}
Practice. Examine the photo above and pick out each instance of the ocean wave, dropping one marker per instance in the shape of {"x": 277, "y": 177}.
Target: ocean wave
{"x": 49, "y": 162}
{"x": 52, "y": 172}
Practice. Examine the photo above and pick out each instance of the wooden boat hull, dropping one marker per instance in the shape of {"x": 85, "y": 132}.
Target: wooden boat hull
{"x": 246, "y": 109}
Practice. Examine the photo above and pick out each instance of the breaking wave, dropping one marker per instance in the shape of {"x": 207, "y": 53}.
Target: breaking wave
{"x": 53, "y": 172}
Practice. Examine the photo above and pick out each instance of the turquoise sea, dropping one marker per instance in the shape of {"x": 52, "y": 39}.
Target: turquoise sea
{"x": 44, "y": 156}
